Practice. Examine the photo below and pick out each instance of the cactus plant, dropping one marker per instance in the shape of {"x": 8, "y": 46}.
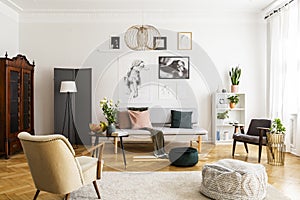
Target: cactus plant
{"x": 235, "y": 75}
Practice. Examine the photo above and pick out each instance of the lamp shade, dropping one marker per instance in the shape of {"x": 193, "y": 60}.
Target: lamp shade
{"x": 68, "y": 86}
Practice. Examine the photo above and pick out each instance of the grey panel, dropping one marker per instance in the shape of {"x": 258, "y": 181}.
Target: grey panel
{"x": 81, "y": 102}
{"x": 60, "y": 98}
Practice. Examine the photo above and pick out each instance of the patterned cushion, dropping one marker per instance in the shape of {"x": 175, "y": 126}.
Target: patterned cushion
{"x": 234, "y": 179}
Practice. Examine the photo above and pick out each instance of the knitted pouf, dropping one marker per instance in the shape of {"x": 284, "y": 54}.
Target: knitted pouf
{"x": 183, "y": 156}
{"x": 234, "y": 179}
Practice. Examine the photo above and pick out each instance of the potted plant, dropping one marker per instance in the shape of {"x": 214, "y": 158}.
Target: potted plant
{"x": 277, "y": 132}
{"x": 275, "y": 144}
{"x": 235, "y": 75}
{"x": 233, "y": 100}
{"x": 110, "y": 113}
{"x": 223, "y": 115}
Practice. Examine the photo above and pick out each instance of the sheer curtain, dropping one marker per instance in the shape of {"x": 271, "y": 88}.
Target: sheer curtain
{"x": 283, "y": 67}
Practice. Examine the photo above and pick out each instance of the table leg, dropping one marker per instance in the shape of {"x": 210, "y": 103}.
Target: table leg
{"x": 122, "y": 146}
{"x": 116, "y": 144}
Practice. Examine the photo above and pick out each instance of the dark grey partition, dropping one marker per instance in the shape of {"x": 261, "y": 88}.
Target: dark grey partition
{"x": 81, "y": 102}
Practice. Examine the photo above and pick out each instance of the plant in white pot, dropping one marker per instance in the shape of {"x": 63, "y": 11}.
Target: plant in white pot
{"x": 235, "y": 75}
{"x": 275, "y": 145}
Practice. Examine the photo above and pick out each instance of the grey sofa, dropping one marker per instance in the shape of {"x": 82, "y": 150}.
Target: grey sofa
{"x": 161, "y": 120}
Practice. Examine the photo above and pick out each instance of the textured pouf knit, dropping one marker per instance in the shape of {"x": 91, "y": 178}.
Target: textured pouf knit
{"x": 183, "y": 156}
{"x": 234, "y": 179}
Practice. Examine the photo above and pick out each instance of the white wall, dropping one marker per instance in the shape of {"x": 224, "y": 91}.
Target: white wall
{"x": 67, "y": 40}
{"x": 9, "y": 37}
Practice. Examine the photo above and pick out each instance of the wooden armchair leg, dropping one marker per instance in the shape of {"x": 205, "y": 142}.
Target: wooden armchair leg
{"x": 67, "y": 196}
{"x": 246, "y": 147}
{"x": 36, "y": 194}
{"x": 233, "y": 148}
{"x": 97, "y": 190}
{"x": 259, "y": 153}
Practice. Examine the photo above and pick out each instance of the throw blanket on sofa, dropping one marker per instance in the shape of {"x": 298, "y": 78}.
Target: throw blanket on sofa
{"x": 158, "y": 140}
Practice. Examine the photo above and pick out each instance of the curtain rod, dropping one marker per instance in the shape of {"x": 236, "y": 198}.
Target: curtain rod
{"x": 278, "y": 10}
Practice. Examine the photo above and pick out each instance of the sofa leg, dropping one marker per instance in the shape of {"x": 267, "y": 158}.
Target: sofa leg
{"x": 199, "y": 143}
{"x": 116, "y": 144}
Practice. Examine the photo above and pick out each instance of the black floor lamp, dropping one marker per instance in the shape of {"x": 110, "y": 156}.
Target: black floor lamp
{"x": 69, "y": 87}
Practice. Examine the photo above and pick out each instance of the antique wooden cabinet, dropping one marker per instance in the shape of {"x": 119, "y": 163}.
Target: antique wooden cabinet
{"x": 16, "y": 102}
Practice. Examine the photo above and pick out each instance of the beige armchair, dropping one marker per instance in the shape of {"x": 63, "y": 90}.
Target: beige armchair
{"x": 54, "y": 167}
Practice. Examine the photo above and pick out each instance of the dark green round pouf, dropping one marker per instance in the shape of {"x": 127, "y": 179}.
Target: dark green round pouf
{"x": 183, "y": 156}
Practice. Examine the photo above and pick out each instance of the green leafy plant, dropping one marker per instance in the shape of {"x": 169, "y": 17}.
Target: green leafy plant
{"x": 234, "y": 99}
{"x": 277, "y": 127}
{"x": 109, "y": 110}
{"x": 235, "y": 75}
{"x": 223, "y": 115}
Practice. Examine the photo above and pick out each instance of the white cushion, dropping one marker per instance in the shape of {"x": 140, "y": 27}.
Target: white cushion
{"x": 88, "y": 167}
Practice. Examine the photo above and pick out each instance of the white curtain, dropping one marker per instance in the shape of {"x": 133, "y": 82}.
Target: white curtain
{"x": 283, "y": 65}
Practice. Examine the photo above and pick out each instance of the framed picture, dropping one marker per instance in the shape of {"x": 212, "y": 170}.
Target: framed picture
{"x": 184, "y": 41}
{"x": 160, "y": 43}
{"x": 174, "y": 67}
{"x": 115, "y": 42}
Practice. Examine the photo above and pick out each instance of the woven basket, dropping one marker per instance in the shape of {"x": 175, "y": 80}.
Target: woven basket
{"x": 275, "y": 149}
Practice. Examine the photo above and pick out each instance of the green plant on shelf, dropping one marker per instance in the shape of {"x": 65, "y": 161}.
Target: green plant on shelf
{"x": 234, "y": 99}
{"x": 223, "y": 115}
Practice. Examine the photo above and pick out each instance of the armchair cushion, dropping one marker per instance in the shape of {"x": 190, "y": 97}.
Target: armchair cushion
{"x": 88, "y": 167}
{"x": 249, "y": 138}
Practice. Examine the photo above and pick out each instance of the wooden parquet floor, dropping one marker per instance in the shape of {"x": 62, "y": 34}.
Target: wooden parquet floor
{"x": 16, "y": 182}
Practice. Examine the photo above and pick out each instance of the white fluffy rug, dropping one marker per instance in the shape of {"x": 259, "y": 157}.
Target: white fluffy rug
{"x": 152, "y": 186}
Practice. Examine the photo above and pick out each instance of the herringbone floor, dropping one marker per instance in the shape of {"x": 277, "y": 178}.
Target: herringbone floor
{"x": 16, "y": 182}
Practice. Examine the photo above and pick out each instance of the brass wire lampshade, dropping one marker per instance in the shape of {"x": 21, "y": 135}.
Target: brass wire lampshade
{"x": 140, "y": 37}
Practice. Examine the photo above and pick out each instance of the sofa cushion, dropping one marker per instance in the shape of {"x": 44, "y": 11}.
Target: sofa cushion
{"x": 140, "y": 119}
{"x": 138, "y": 108}
{"x": 181, "y": 119}
{"x": 123, "y": 120}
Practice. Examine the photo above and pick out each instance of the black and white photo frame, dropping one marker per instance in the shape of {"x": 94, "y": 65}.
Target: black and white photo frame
{"x": 174, "y": 67}
{"x": 115, "y": 42}
{"x": 160, "y": 43}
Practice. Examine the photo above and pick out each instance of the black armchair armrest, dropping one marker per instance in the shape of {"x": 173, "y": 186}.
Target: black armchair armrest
{"x": 261, "y": 133}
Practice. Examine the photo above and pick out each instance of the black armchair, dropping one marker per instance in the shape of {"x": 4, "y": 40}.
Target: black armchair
{"x": 256, "y": 135}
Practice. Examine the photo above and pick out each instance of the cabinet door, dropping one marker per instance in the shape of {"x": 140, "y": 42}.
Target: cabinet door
{"x": 13, "y": 99}
{"x": 26, "y": 102}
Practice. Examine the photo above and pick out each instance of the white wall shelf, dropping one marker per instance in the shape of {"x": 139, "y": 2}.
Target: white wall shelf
{"x": 222, "y": 130}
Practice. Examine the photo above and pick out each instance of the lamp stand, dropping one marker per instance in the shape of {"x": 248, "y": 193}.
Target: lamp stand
{"x": 70, "y": 119}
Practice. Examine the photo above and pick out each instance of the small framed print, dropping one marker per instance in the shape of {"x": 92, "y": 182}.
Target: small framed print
{"x": 184, "y": 41}
{"x": 115, "y": 42}
{"x": 222, "y": 101}
{"x": 160, "y": 43}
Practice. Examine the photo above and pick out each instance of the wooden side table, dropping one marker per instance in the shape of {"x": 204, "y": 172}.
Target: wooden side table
{"x": 115, "y": 135}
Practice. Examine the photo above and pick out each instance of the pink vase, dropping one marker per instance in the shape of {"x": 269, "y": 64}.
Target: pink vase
{"x": 234, "y": 88}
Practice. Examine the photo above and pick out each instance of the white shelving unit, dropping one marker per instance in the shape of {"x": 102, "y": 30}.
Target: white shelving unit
{"x": 223, "y": 129}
